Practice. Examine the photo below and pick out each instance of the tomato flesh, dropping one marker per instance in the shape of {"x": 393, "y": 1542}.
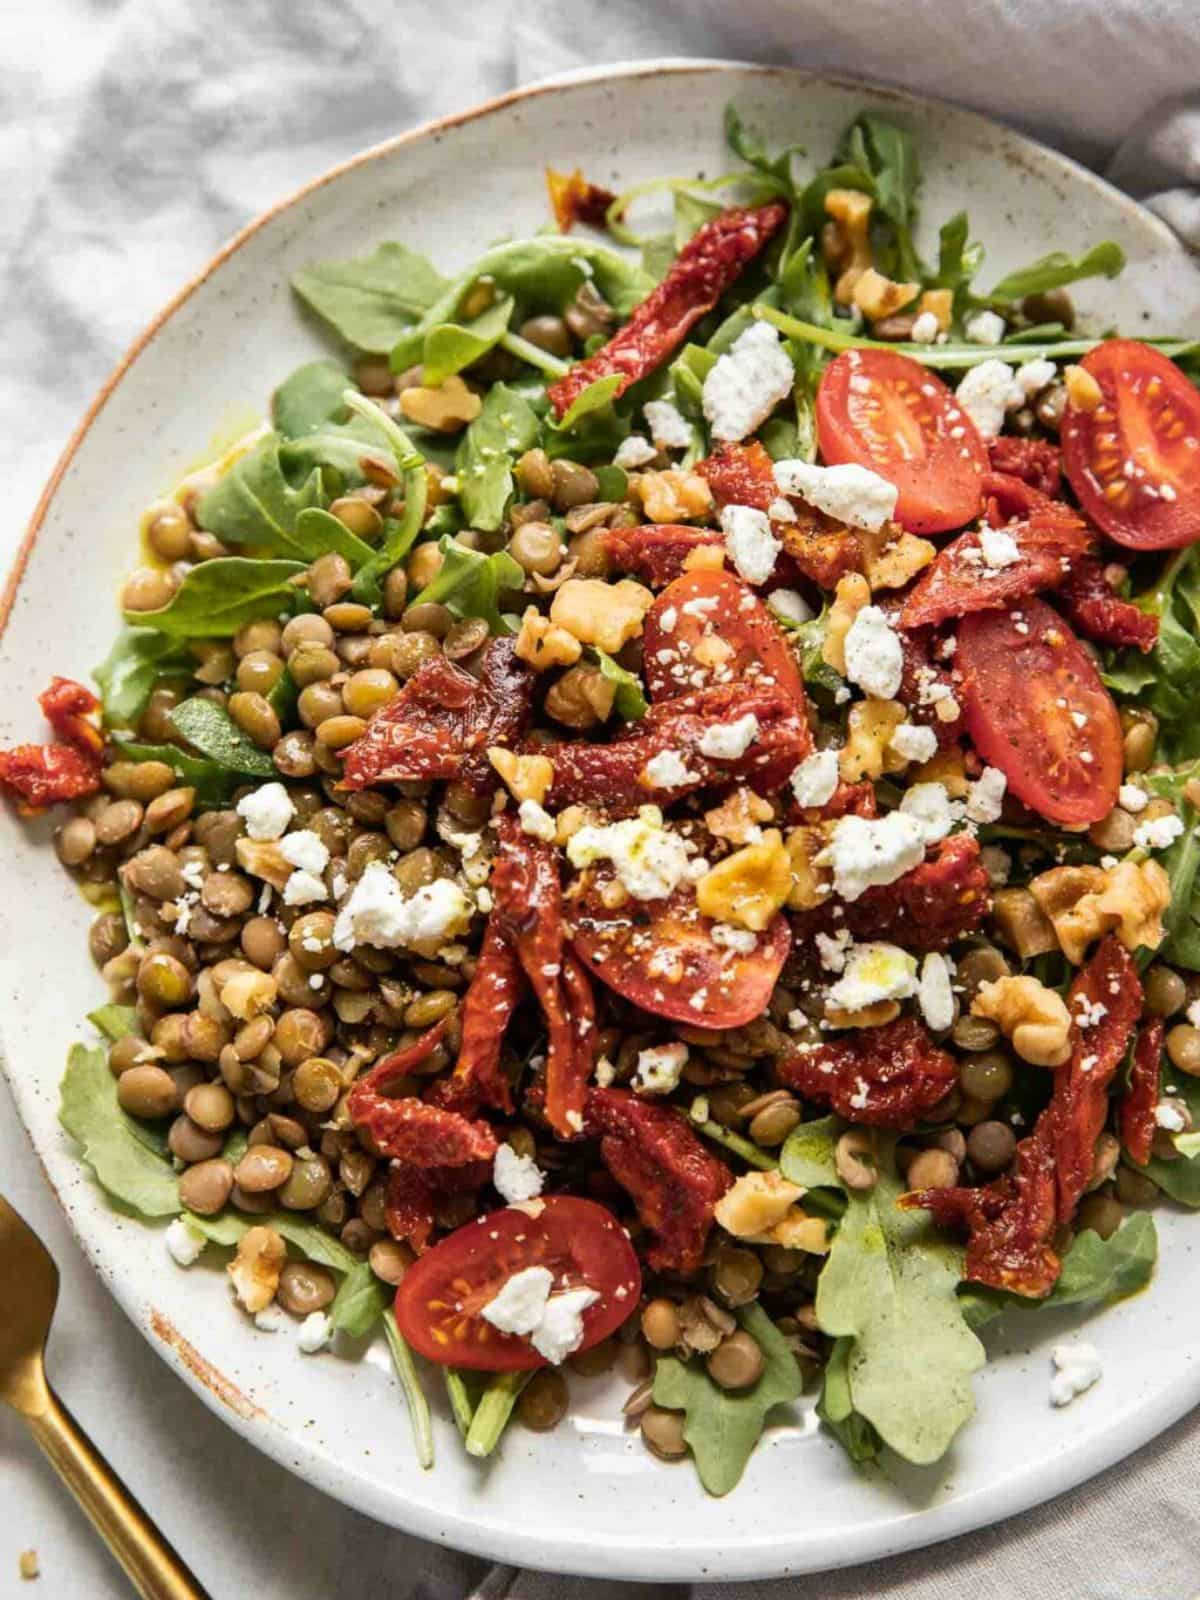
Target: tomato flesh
{"x": 660, "y": 954}
{"x": 737, "y": 638}
{"x": 440, "y": 1302}
{"x": 884, "y": 411}
{"x": 1035, "y": 708}
{"x": 1134, "y": 461}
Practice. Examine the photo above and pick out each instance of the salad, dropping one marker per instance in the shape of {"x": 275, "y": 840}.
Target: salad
{"x": 649, "y": 819}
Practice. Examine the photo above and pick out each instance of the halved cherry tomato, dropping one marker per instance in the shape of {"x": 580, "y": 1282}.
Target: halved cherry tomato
{"x": 1035, "y": 708}
{"x": 739, "y": 640}
{"x": 661, "y": 955}
{"x": 439, "y": 1304}
{"x": 886, "y": 412}
{"x": 1134, "y": 461}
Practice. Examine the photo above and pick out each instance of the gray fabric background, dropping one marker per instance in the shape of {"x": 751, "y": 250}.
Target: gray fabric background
{"x": 135, "y": 137}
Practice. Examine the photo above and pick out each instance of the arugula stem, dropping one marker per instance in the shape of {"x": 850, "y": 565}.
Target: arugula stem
{"x": 414, "y": 1395}
{"x": 462, "y": 1406}
{"x": 748, "y": 1151}
{"x": 533, "y": 355}
{"x": 408, "y": 457}
{"x": 615, "y": 215}
{"x": 492, "y": 1413}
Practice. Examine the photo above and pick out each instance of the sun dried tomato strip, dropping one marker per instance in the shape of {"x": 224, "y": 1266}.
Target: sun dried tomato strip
{"x": 66, "y": 706}
{"x": 886, "y": 1077}
{"x": 1036, "y": 462}
{"x": 944, "y": 898}
{"x": 528, "y": 911}
{"x": 1105, "y": 1002}
{"x": 1093, "y": 608}
{"x": 612, "y": 775}
{"x": 708, "y": 264}
{"x": 1007, "y": 498}
{"x": 441, "y": 723}
{"x": 415, "y": 1194}
{"x": 409, "y": 1129}
{"x": 486, "y": 1011}
{"x": 740, "y": 475}
{"x": 1138, "y": 1103}
{"x": 673, "y": 1180}
{"x": 42, "y": 775}
{"x": 573, "y": 199}
{"x": 658, "y": 552}
{"x": 925, "y": 685}
{"x": 960, "y": 580}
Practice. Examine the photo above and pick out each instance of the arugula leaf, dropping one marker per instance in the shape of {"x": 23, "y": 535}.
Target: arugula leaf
{"x": 253, "y": 503}
{"x": 891, "y": 1283}
{"x": 958, "y": 259}
{"x": 496, "y": 1403}
{"x": 113, "y": 1021}
{"x": 414, "y": 1395}
{"x": 889, "y": 154}
{"x": 591, "y": 428}
{"x": 469, "y": 583}
{"x": 722, "y": 1426}
{"x": 506, "y": 426}
{"x": 836, "y": 1407}
{"x": 448, "y": 347}
{"x": 370, "y": 301}
{"x": 1057, "y": 269}
{"x": 213, "y": 732}
{"x": 123, "y": 1164}
{"x": 309, "y": 399}
{"x": 658, "y": 252}
{"x": 817, "y": 673}
{"x": 317, "y": 532}
{"x": 692, "y": 211}
{"x": 218, "y": 597}
{"x": 630, "y": 700}
{"x": 1182, "y": 865}
{"x": 807, "y": 1157}
{"x": 398, "y": 535}
{"x": 139, "y": 658}
{"x": 212, "y": 782}
{"x": 1095, "y": 1271}
{"x": 359, "y": 1303}
{"x": 1167, "y": 680}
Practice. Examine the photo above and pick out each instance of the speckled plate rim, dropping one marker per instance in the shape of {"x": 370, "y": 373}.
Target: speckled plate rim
{"x": 622, "y": 1556}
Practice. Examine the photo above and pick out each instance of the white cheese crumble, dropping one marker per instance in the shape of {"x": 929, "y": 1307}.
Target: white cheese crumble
{"x": 726, "y": 741}
{"x": 518, "y": 1305}
{"x": 378, "y": 913}
{"x": 815, "y": 779}
{"x": 728, "y": 937}
{"x": 1158, "y": 833}
{"x": 873, "y": 973}
{"x": 998, "y": 547}
{"x": 930, "y": 806}
{"x": 985, "y": 327}
{"x": 833, "y": 949}
{"x": 914, "y": 742}
{"x": 668, "y": 770}
{"x": 269, "y": 1320}
{"x": 868, "y": 852}
{"x": 849, "y": 493}
{"x": 314, "y": 1333}
{"x": 1076, "y": 1368}
{"x": 658, "y": 1069}
{"x": 934, "y": 994}
{"x": 1131, "y": 798}
{"x": 874, "y": 654}
{"x": 536, "y": 820}
{"x": 926, "y": 328}
{"x": 782, "y": 510}
{"x": 790, "y": 605}
{"x": 985, "y": 797}
{"x": 560, "y": 1331}
{"x": 266, "y": 811}
{"x": 304, "y": 888}
{"x": 669, "y": 428}
{"x": 745, "y": 385}
{"x": 650, "y": 862}
{"x": 305, "y": 850}
{"x": 1169, "y": 1117}
{"x": 751, "y": 545}
{"x": 515, "y": 1176}
{"x": 986, "y": 393}
{"x": 634, "y": 452}
{"x": 1033, "y": 376}
{"x": 184, "y": 1244}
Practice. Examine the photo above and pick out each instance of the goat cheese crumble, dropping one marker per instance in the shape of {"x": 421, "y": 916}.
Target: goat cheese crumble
{"x": 914, "y": 742}
{"x": 985, "y": 797}
{"x": 790, "y": 606}
{"x": 869, "y": 852}
{"x": 815, "y": 779}
{"x": 553, "y": 1324}
{"x": 668, "y": 770}
{"x": 184, "y": 1244}
{"x": 314, "y": 1333}
{"x": 726, "y": 741}
{"x": 650, "y": 862}
{"x": 1076, "y": 1368}
{"x": 998, "y": 548}
{"x": 925, "y": 328}
{"x": 849, "y": 493}
{"x": 934, "y": 993}
{"x": 379, "y": 913}
{"x": 986, "y": 393}
{"x": 874, "y": 654}
{"x": 1158, "y": 833}
{"x": 658, "y": 1070}
{"x": 746, "y": 384}
{"x": 751, "y": 545}
{"x": 536, "y": 820}
{"x": 266, "y": 811}
{"x": 634, "y": 452}
{"x": 516, "y": 1177}
{"x": 669, "y": 428}
{"x": 874, "y": 972}
{"x": 985, "y": 327}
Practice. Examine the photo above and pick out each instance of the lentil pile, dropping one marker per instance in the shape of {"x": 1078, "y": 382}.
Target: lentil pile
{"x": 580, "y": 864}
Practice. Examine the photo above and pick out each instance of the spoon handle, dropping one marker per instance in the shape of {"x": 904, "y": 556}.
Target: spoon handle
{"x": 152, "y": 1566}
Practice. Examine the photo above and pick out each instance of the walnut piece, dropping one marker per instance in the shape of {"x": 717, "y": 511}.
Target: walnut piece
{"x": 606, "y": 615}
{"x": 673, "y": 495}
{"x": 867, "y": 752}
{"x": 851, "y": 595}
{"x": 1032, "y": 1016}
{"x": 877, "y": 296}
{"x": 543, "y": 644}
{"x": 526, "y": 777}
{"x": 1085, "y": 903}
{"x": 848, "y": 242}
{"x": 748, "y": 887}
{"x": 256, "y": 1267}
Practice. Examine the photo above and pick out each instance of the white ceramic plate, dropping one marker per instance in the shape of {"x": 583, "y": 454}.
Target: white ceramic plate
{"x": 587, "y": 1498}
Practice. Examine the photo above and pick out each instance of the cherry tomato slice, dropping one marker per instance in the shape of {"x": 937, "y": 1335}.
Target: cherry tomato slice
{"x": 661, "y": 955}
{"x": 1134, "y": 461}
{"x": 886, "y": 412}
{"x": 710, "y": 627}
{"x": 439, "y": 1304}
{"x": 1035, "y": 708}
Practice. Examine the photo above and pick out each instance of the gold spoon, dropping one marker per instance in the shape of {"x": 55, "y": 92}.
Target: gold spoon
{"x": 29, "y": 1291}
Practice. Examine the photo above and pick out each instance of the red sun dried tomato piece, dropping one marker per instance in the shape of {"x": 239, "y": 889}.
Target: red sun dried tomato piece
{"x": 42, "y": 775}
{"x": 925, "y": 683}
{"x": 657, "y": 552}
{"x": 1138, "y": 1103}
{"x": 415, "y": 1194}
{"x": 1036, "y": 462}
{"x": 487, "y": 1008}
{"x": 1105, "y": 1002}
{"x": 847, "y": 800}
{"x": 441, "y": 723}
{"x": 944, "y": 898}
{"x": 413, "y": 1130}
{"x": 1009, "y": 499}
{"x": 740, "y": 475}
{"x": 707, "y": 628}
{"x": 573, "y": 199}
{"x": 885, "y": 1077}
{"x": 708, "y": 264}
{"x": 672, "y": 1179}
{"x": 1093, "y": 608}
{"x": 66, "y": 706}
{"x": 960, "y": 580}
{"x": 528, "y": 911}
{"x": 611, "y": 775}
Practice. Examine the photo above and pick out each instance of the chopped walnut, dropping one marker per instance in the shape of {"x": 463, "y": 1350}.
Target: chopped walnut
{"x": 446, "y": 409}
{"x": 1136, "y": 896}
{"x": 851, "y": 595}
{"x": 1034, "y": 1017}
{"x": 877, "y": 296}
{"x": 946, "y": 768}
{"x": 867, "y": 752}
{"x": 739, "y": 816}
{"x": 581, "y": 698}
{"x": 1023, "y": 924}
{"x": 848, "y": 242}
{"x": 543, "y": 644}
{"x": 705, "y": 558}
{"x": 748, "y": 887}
{"x": 1085, "y": 903}
{"x": 607, "y": 615}
{"x": 755, "y": 1203}
{"x": 673, "y": 495}
{"x": 811, "y": 884}
{"x": 526, "y": 777}
{"x": 256, "y": 1267}
{"x": 891, "y": 557}
{"x": 262, "y": 858}
{"x": 939, "y": 303}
